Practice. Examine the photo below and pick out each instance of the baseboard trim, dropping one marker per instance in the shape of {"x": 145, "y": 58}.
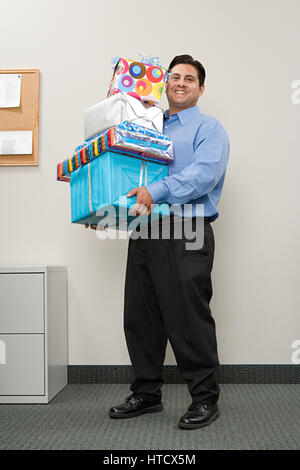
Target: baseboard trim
{"x": 233, "y": 373}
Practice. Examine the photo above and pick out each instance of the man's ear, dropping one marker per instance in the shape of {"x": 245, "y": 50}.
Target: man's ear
{"x": 202, "y": 88}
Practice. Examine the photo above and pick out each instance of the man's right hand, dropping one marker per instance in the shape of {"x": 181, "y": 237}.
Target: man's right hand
{"x": 95, "y": 227}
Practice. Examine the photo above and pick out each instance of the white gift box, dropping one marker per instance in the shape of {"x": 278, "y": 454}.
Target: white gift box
{"x": 117, "y": 109}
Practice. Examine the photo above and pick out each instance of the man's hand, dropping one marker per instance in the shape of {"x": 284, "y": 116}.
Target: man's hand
{"x": 95, "y": 227}
{"x": 144, "y": 201}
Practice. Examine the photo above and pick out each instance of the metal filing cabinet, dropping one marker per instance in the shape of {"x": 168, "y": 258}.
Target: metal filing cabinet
{"x": 33, "y": 333}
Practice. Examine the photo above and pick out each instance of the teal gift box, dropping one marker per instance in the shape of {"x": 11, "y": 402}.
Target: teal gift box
{"x": 99, "y": 188}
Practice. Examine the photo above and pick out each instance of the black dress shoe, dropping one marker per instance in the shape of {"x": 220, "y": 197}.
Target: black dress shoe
{"x": 134, "y": 405}
{"x": 199, "y": 415}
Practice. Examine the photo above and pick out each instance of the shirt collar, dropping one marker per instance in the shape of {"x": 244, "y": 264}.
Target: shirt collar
{"x": 185, "y": 115}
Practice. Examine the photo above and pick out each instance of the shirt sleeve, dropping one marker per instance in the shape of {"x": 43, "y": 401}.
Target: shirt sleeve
{"x": 200, "y": 177}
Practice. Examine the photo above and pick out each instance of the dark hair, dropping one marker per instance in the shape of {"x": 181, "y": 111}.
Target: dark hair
{"x": 188, "y": 59}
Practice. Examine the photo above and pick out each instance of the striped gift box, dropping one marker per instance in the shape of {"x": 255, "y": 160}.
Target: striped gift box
{"x": 128, "y": 139}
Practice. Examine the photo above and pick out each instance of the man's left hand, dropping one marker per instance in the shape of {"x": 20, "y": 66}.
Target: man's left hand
{"x": 144, "y": 201}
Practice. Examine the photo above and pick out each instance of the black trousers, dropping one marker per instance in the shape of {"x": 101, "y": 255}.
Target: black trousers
{"x": 167, "y": 294}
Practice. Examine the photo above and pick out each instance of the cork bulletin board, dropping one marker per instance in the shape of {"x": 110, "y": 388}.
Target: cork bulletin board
{"x": 23, "y": 117}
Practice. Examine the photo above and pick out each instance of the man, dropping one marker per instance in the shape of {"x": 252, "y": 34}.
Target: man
{"x": 168, "y": 288}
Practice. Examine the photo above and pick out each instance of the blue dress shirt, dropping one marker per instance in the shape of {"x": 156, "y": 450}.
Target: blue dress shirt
{"x": 196, "y": 175}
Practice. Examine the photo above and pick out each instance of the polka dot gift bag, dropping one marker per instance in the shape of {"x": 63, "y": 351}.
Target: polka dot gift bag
{"x": 142, "y": 81}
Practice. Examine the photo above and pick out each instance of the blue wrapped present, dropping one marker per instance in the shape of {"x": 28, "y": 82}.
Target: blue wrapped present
{"x": 99, "y": 188}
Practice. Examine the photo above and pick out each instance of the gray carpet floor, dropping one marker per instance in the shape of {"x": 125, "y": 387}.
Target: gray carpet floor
{"x": 252, "y": 416}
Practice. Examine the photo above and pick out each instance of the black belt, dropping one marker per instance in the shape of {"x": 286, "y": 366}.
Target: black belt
{"x": 206, "y": 219}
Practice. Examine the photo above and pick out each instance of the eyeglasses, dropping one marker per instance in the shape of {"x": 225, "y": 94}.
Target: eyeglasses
{"x": 176, "y": 77}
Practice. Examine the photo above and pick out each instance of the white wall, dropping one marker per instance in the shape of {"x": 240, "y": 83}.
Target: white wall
{"x": 250, "y": 51}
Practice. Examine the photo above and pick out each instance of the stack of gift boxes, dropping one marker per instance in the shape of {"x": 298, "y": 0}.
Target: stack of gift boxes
{"x": 124, "y": 148}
